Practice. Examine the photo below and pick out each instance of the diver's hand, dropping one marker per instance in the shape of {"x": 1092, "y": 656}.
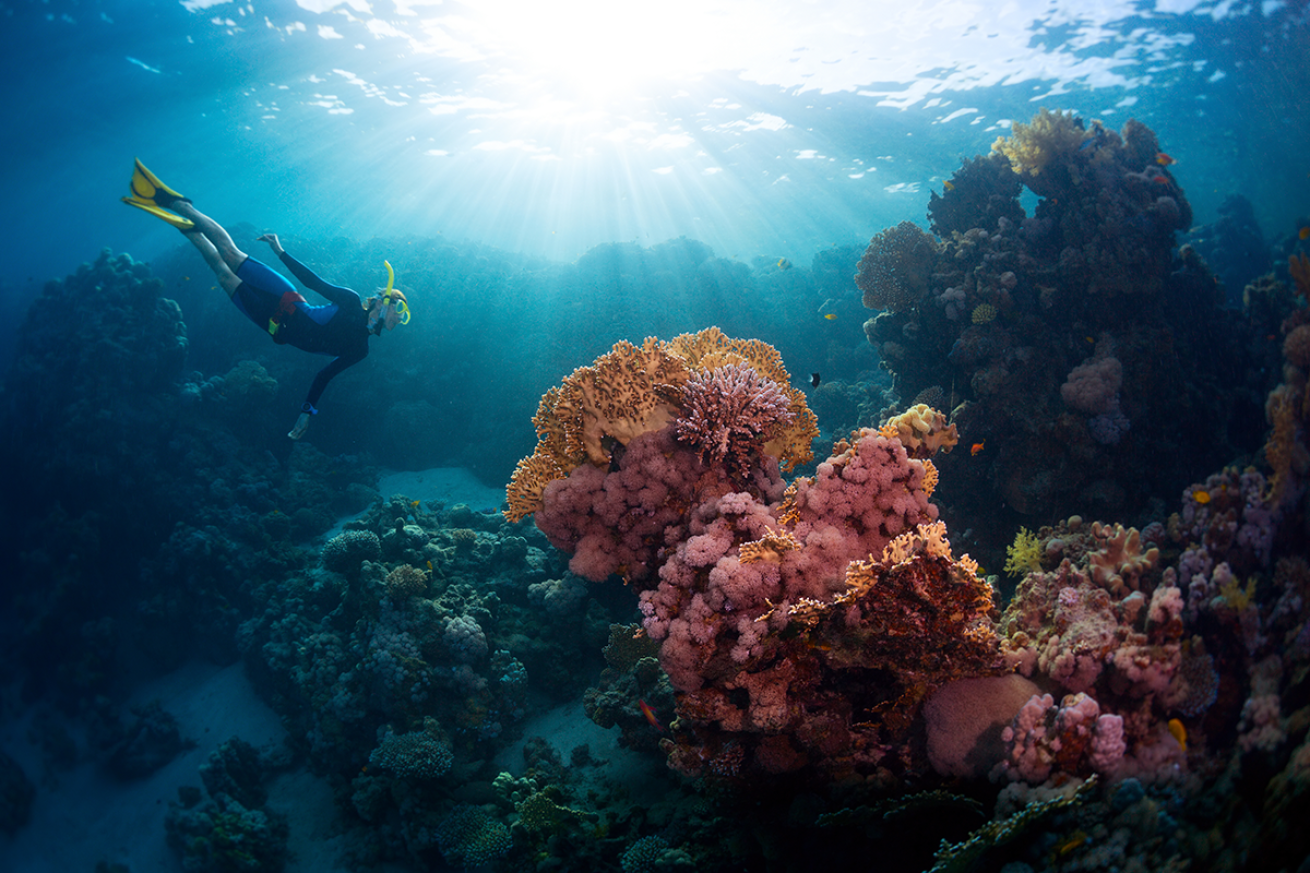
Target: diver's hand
{"x": 302, "y": 425}
{"x": 272, "y": 240}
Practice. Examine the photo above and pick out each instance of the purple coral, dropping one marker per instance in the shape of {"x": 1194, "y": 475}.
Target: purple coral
{"x": 729, "y": 413}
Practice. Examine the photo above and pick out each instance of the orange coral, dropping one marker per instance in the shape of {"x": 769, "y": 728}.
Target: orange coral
{"x": 930, "y": 477}
{"x": 922, "y": 430}
{"x": 633, "y": 390}
{"x": 1286, "y": 455}
{"x": 1296, "y": 346}
{"x": 627, "y": 392}
{"x": 915, "y": 612}
{"x": 769, "y": 547}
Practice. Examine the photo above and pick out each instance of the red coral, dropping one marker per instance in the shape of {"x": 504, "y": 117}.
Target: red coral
{"x": 729, "y": 413}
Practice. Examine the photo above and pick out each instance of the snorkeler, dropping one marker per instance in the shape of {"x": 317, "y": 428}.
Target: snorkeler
{"x": 341, "y": 328}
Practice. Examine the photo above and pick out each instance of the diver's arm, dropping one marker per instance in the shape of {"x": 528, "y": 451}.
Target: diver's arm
{"x": 337, "y": 294}
{"x": 273, "y": 243}
{"x": 321, "y": 380}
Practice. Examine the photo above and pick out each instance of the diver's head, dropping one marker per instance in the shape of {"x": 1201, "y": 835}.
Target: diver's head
{"x": 386, "y": 309}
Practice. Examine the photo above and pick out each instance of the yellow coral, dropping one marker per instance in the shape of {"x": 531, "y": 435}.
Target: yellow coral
{"x": 930, "y": 477}
{"x": 983, "y": 313}
{"x": 770, "y": 547}
{"x": 1033, "y": 147}
{"x": 1024, "y": 555}
{"x": 923, "y": 431}
{"x": 1237, "y": 597}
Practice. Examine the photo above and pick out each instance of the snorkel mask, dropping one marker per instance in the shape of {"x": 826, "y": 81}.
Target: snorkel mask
{"x": 394, "y": 297}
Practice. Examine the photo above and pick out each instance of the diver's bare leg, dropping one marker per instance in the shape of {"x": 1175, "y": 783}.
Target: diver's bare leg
{"x": 213, "y": 232}
{"x": 226, "y": 275}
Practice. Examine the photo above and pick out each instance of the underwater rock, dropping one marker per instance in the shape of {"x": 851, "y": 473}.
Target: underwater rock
{"x": 16, "y": 795}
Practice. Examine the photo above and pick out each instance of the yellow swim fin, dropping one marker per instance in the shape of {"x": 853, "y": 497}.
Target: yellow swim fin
{"x": 147, "y": 188}
{"x": 158, "y": 212}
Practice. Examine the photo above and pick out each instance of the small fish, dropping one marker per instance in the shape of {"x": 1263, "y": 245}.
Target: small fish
{"x": 814, "y": 380}
{"x": 948, "y": 186}
{"x": 1179, "y": 733}
{"x": 1064, "y": 847}
{"x": 831, "y": 316}
{"x": 1164, "y": 160}
{"x": 976, "y": 448}
{"x": 650, "y": 715}
{"x": 429, "y": 566}
{"x": 1161, "y": 180}
{"x": 1090, "y": 340}
{"x": 1201, "y": 497}
{"x": 784, "y": 264}
{"x": 1303, "y": 233}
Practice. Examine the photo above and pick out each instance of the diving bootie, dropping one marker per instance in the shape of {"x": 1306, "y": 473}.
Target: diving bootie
{"x": 153, "y": 196}
{"x": 147, "y": 188}
{"x": 182, "y": 224}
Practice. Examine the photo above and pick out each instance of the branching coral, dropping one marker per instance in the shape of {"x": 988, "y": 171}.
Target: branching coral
{"x": 1024, "y": 555}
{"x": 896, "y": 267}
{"x": 728, "y": 414}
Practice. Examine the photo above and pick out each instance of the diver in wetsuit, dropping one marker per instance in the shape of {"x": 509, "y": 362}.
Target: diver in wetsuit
{"x": 340, "y": 328}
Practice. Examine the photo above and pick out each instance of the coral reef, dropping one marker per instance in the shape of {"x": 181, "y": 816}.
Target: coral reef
{"x": 1076, "y": 341}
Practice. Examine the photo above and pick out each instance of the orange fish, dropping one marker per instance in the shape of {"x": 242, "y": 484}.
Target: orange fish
{"x": 1304, "y": 233}
{"x": 1179, "y": 732}
{"x": 831, "y": 316}
{"x": 1164, "y": 160}
{"x": 650, "y": 715}
{"x": 1161, "y": 180}
{"x": 976, "y": 448}
{"x": 1201, "y": 497}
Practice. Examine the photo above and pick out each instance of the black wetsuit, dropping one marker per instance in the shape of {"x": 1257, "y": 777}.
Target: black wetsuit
{"x": 339, "y": 328}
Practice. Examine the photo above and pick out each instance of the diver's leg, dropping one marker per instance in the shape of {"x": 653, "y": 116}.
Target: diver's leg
{"x": 214, "y": 233}
{"x": 226, "y": 275}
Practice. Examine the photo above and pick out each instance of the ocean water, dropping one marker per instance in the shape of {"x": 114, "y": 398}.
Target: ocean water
{"x": 225, "y": 649}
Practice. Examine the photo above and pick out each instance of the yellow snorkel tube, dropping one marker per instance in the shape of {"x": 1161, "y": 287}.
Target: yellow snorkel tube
{"x": 394, "y": 297}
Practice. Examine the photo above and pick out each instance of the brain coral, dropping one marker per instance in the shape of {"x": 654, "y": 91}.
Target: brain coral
{"x": 896, "y": 267}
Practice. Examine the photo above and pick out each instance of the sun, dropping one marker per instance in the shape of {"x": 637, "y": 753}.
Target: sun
{"x": 600, "y": 48}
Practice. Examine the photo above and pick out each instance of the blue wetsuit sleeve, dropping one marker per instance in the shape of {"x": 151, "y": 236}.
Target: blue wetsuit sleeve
{"x": 337, "y": 294}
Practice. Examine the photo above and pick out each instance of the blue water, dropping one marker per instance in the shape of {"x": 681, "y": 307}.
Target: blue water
{"x": 547, "y": 178}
